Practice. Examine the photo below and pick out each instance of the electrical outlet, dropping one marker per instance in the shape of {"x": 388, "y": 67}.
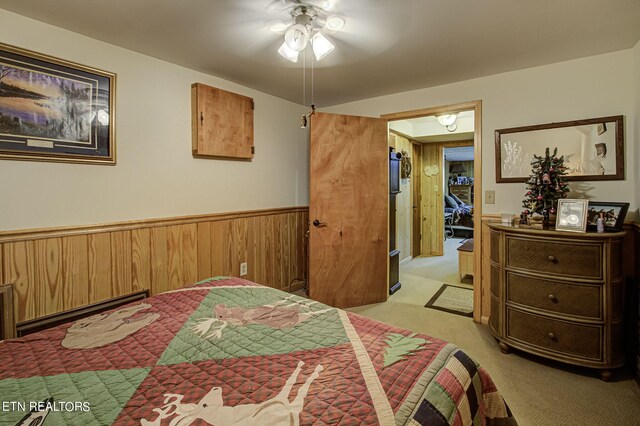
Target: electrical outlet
{"x": 243, "y": 269}
{"x": 490, "y": 197}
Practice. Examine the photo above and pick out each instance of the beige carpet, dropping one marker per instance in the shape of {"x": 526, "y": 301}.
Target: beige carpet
{"x": 539, "y": 392}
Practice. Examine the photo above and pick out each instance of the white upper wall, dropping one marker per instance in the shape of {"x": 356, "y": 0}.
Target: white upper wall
{"x": 584, "y": 88}
{"x": 155, "y": 175}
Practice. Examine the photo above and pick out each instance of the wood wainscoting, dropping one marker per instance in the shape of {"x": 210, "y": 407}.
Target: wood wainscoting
{"x": 58, "y": 269}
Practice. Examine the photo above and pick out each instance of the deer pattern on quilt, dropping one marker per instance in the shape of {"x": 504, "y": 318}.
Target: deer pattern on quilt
{"x": 285, "y": 313}
{"x": 276, "y": 411}
{"x": 104, "y": 329}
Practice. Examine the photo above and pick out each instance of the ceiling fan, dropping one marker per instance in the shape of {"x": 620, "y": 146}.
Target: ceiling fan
{"x": 306, "y": 24}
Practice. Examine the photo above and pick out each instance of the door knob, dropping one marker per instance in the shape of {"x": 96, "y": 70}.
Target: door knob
{"x": 318, "y": 224}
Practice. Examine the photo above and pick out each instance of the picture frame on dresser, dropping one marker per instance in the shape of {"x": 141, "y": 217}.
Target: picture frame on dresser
{"x": 572, "y": 215}
{"x": 614, "y": 214}
{"x": 56, "y": 110}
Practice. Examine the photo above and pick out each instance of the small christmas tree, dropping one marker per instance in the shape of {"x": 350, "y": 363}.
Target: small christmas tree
{"x": 545, "y": 186}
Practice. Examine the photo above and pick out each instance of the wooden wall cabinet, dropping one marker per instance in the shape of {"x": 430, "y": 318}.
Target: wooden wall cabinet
{"x": 221, "y": 123}
{"x": 559, "y": 295}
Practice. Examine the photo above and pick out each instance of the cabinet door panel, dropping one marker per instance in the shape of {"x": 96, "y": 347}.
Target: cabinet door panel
{"x": 222, "y": 123}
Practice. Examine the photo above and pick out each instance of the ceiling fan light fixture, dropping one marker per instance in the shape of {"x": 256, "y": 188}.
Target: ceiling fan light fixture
{"x": 297, "y": 37}
{"x": 447, "y": 119}
{"x": 322, "y": 4}
{"x": 321, "y": 46}
{"x": 289, "y": 54}
{"x": 335, "y": 23}
{"x": 308, "y": 18}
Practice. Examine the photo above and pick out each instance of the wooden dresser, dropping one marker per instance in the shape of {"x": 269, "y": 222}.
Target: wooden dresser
{"x": 559, "y": 295}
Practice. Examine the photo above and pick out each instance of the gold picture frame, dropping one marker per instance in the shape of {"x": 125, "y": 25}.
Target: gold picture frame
{"x": 55, "y": 110}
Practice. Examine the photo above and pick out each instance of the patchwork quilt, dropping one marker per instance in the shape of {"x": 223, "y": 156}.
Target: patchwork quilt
{"x": 227, "y": 351}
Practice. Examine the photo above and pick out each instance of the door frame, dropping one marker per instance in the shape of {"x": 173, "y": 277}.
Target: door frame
{"x": 476, "y": 106}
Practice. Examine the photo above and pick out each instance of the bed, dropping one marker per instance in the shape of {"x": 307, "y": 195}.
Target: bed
{"x": 227, "y": 351}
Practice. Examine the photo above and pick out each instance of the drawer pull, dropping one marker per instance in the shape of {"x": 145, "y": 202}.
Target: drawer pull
{"x": 553, "y": 298}
{"x": 552, "y": 259}
{"x": 552, "y": 336}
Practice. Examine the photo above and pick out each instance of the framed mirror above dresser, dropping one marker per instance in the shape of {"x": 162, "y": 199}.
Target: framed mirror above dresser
{"x": 593, "y": 149}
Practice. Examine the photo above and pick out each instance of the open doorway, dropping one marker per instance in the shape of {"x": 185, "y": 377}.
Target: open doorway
{"x": 438, "y": 213}
{"x": 458, "y": 170}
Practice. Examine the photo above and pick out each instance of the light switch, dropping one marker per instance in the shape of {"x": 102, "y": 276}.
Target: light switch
{"x": 489, "y": 197}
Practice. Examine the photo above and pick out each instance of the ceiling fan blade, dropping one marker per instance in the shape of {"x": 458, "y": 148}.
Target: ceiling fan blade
{"x": 321, "y": 4}
{"x": 277, "y": 5}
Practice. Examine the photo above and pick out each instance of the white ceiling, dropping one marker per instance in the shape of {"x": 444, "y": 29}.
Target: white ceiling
{"x": 463, "y": 153}
{"x": 429, "y": 129}
{"x": 387, "y": 46}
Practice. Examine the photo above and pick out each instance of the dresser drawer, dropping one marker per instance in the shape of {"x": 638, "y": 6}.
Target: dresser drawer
{"x": 563, "y": 337}
{"x": 551, "y": 256}
{"x": 555, "y": 296}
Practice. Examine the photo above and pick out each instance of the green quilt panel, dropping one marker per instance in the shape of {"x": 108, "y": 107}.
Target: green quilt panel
{"x": 107, "y": 392}
{"x": 320, "y": 331}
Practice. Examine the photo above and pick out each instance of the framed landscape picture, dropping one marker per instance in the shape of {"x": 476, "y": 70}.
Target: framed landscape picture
{"x": 55, "y": 110}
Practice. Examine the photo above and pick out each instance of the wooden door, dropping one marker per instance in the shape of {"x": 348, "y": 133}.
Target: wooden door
{"x": 348, "y": 210}
{"x": 416, "y": 211}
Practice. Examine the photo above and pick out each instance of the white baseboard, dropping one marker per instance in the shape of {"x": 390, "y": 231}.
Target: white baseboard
{"x": 406, "y": 259}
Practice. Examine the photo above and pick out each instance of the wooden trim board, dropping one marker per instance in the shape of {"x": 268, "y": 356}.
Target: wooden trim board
{"x": 64, "y": 231}
{"x": 57, "y": 269}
